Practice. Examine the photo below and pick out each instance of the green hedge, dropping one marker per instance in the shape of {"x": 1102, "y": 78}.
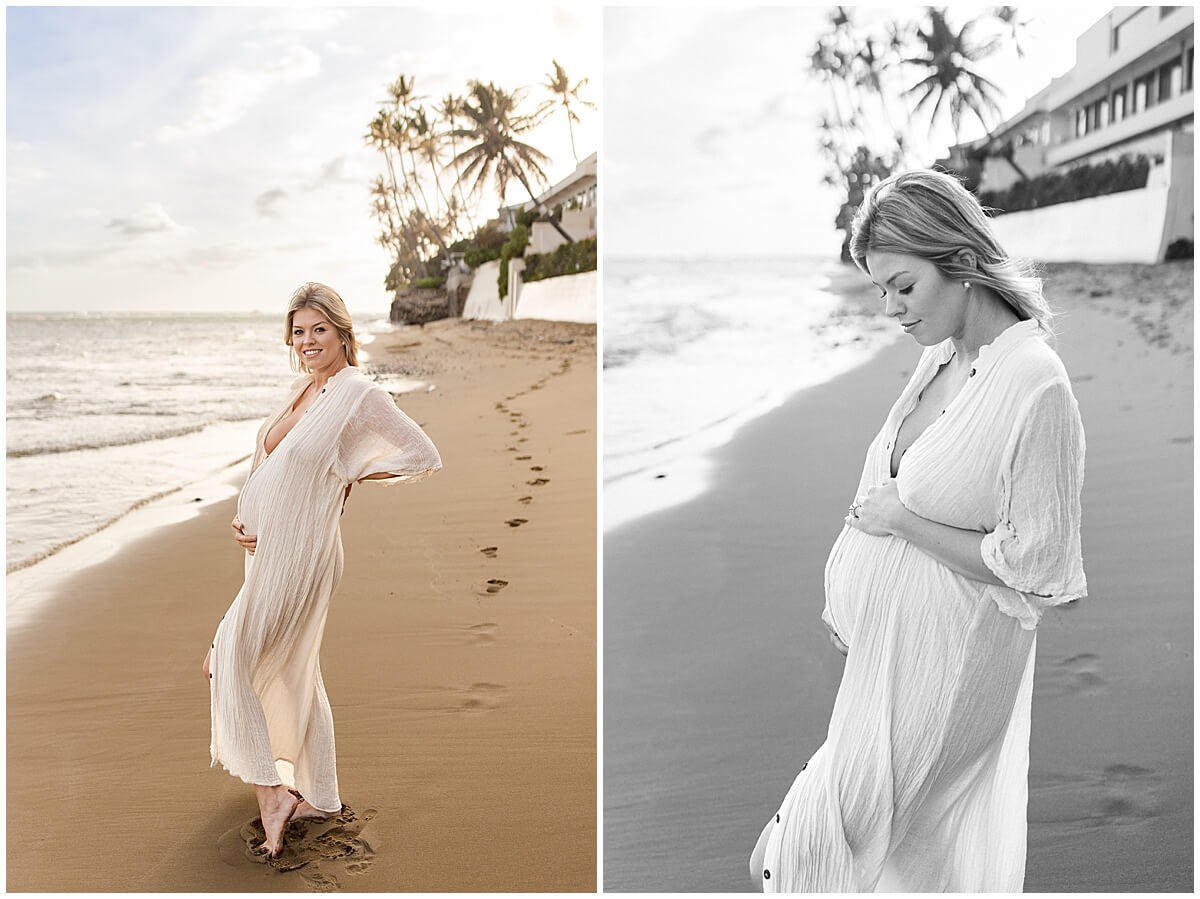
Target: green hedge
{"x": 1109, "y": 177}
{"x": 567, "y": 259}
{"x": 513, "y": 247}
{"x": 477, "y": 256}
{"x": 427, "y": 283}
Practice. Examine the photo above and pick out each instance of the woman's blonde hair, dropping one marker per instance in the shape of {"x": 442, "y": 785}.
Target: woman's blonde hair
{"x": 931, "y": 215}
{"x": 326, "y": 301}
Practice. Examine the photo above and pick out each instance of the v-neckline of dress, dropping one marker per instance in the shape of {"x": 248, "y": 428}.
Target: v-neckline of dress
{"x": 985, "y": 357}
{"x": 291, "y": 407}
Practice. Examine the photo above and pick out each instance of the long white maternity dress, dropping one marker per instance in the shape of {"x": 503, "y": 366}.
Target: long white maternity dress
{"x": 921, "y": 784}
{"x": 271, "y": 722}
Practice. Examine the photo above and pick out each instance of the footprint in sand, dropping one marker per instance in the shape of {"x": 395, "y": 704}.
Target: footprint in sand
{"x": 524, "y": 458}
{"x": 1078, "y": 674}
{"x": 525, "y": 500}
{"x": 535, "y": 468}
{"x": 481, "y": 698}
{"x": 482, "y": 633}
{"x": 495, "y": 585}
{"x": 1121, "y": 795}
{"x": 516, "y": 522}
{"x": 324, "y": 848}
{"x": 490, "y": 551}
{"x": 580, "y": 431}
{"x": 538, "y": 482}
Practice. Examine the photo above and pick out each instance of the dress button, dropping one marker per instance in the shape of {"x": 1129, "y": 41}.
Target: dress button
{"x": 766, "y": 874}
{"x": 776, "y": 819}
{"x": 323, "y": 389}
{"x": 972, "y": 373}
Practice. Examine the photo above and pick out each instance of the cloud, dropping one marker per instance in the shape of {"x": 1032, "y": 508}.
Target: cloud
{"x": 302, "y": 19}
{"x": 267, "y": 203}
{"x": 152, "y": 218}
{"x": 27, "y": 174}
{"x": 342, "y": 50}
{"x": 228, "y": 94}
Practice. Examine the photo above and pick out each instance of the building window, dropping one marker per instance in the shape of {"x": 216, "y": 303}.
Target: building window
{"x": 1102, "y": 113}
{"x": 1188, "y": 62}
{"x": 1118, "y": 103}
{"x": 1170, "y": 80}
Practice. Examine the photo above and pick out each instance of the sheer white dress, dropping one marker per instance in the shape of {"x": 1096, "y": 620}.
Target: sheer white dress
{"x": 271, "y": 721}
{"x": 921, "y": 784}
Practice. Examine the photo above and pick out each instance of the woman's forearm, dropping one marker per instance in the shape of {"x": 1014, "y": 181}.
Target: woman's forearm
{"x": 956, "y": 548}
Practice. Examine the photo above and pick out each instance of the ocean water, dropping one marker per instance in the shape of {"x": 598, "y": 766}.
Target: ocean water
{"x": 695, "y": 349}
{"x": 107, "y": 412}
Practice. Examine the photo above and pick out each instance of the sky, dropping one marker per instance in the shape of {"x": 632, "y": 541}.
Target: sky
{"x": 710, "y": 124}
{"x": 187, "y": 159}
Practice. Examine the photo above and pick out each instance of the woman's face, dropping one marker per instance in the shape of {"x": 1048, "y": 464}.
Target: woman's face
{"x": 316, "y": 341}
{"x": 926, "y": 303}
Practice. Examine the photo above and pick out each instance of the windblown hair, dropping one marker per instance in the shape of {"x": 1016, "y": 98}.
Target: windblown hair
{"x": 931, "y": 215}
{"x": 326, "y": 301}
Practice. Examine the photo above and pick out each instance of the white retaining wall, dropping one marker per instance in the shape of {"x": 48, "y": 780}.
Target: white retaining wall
{"x": 567, "y": 298}
{"x": 483, "y": 300}
{"x": 1123, "y": 227}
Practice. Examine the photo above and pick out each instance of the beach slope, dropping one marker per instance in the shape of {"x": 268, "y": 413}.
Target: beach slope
{"x": 459, "y": 658}
{"x": 719, "y": 678}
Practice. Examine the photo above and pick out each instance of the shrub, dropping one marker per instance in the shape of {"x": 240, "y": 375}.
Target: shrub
{"x": 477, "y": 256}
{"x": 1180, "y": 249}
{"x": 1084, "y": 181}
{"x": 567, "y": 259}
{"x": 427, "y": 283}
{"x": 514, "y": 246}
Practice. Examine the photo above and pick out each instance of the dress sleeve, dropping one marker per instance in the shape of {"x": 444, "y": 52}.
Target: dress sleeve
{"x": 380, "y": 438}
{"x": 1036, "y": 547}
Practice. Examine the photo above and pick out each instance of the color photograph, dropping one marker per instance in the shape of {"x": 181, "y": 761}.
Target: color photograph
{"x": 301, "y": 449}
{"x": 898, "y": 449}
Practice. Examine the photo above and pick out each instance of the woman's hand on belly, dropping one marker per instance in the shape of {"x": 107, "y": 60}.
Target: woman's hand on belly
{"x": 249, "y": 544}
{"x": 878, "y": 512}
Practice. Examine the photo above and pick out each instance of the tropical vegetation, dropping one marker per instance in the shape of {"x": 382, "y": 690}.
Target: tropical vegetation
{"x": 1111, "y": 176}
{"x": 445, "y": 161}
{"x": 886, "y": 78}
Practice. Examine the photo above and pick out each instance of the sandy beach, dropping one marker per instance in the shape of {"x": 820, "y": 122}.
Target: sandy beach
{"x": 459, "y": 658}
{"x": 719, "y": 678}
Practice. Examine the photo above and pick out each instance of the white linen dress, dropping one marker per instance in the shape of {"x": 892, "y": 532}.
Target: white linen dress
{"x": 271, "y": 721}
{"x": 921, "y": 784}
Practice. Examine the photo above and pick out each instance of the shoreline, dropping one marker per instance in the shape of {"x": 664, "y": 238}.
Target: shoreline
{"x": 719, "y": 689}
{"x": 462, "y": 682}
{"x": 667, "y": 480}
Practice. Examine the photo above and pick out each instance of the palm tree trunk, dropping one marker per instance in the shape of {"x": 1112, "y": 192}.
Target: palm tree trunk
{"x": 525, "y": 183}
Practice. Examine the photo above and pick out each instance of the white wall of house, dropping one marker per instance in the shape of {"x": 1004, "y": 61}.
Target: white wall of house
{"x": 483, "y": 302}
{"x": 567, "y": 298}
{"x": 1181, "y": 201}
{"x": 579, "y": 223}
{"x": 1123, "y": 227}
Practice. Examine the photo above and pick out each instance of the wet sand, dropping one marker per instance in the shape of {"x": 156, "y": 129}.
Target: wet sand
{"x": 719, "y": 678}
{"x": 459, "y": 658}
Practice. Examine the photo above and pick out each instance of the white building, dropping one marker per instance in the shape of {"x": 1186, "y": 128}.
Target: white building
{"x": 1130, "y": 92}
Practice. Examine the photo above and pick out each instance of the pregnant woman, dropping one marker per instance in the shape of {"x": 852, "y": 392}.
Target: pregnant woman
{"x": 271, "y": 722}
{"x": 964, "y": 528}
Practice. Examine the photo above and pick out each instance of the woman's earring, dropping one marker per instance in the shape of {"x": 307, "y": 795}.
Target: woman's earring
{"x": 966, "y": 285}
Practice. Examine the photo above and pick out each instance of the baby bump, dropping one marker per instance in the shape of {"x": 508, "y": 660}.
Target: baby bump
{"x": 888, "y": 582}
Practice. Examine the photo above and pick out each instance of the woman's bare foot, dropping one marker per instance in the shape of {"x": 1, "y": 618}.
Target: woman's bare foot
{"x": 304, "y": 810}
{"x": 276, "y": 805}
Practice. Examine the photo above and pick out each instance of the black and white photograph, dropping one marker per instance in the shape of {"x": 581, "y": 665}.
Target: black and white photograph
{"x": 898, "y": 355}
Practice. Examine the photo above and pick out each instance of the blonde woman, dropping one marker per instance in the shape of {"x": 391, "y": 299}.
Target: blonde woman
{"x": 271, "y": 721}
{"x": 963, "y": 529}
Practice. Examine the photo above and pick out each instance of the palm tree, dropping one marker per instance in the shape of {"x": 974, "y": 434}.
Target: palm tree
{"x": 450, "y": 109}
{"x": 949, "y": 58}
{"x": 381, "y": 134}
{"x": 558, "y": 84}
{"x": 495, "y": 151}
